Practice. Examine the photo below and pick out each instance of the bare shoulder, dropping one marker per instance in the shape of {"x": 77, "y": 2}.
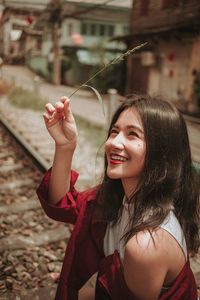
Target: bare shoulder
{"x": 146, "y": 246}
{"x": 148, "y": 258}
{"x": 150, "y": 245}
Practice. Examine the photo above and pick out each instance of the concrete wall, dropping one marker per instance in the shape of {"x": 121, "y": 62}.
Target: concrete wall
{"x": 169, "y": 77}
{"x": 174, "y": 68}
{"x": 193, "y": 65}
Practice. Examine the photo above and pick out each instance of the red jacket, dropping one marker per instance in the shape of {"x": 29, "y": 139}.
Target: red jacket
{"x": 85, "y": 256}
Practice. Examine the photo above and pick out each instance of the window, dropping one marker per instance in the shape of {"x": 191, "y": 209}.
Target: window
{"x": 97, "y": 29}
{"x": 110, "y": 30}
{"x": 84, "y": 28}
{"x": 93, "y": 29}
{"x": 102, "y": 30}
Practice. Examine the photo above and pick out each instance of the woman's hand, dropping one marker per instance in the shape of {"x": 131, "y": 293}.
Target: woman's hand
{"x": 61, "y": 124}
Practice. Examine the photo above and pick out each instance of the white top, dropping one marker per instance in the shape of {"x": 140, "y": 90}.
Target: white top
{"x": 112, "y": 239}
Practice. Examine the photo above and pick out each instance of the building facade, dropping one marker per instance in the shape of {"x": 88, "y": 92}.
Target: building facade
{"x": 84, "y": 33}
{"x": 86, "y": 29}
{"x": 167, "y": 66}
{"x": 16, "y": 17}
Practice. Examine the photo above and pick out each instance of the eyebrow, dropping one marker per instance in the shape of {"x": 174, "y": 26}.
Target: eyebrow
{"x": 130, "y": 127}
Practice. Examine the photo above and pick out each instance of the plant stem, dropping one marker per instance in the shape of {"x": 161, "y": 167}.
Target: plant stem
{"x": 114, "y": 61}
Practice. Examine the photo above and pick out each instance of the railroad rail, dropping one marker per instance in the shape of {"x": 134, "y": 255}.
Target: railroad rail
{"x": 32, "y": 245}
{"x": 41, "y": 163}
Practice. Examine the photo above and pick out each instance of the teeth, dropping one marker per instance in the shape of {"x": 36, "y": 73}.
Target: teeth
{"x": 120, "y": 158}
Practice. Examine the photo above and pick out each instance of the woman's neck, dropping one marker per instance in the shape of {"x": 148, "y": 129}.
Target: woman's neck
{"x": 130, "y": 186}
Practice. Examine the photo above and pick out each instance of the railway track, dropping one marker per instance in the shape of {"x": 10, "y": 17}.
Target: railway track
{"x": 31, "y": 245}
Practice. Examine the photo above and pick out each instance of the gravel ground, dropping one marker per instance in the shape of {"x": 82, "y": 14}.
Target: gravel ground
{"x": 32, "y": 245}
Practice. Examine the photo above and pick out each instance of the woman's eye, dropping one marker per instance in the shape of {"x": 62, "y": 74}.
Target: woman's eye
{"x": 113, "y": 131}
{"x": 132, "y": 133}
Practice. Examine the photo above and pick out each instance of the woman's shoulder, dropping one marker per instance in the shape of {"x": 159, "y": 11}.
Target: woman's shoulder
{"x": 153, "y": 245}
{"x": 152, "y": 255}
{"x": 165, "y": 240}
{"x": 147, "y": 245}
{"x": 145, "y": 263}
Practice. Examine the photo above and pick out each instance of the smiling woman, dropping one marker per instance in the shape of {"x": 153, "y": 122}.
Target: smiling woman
{"x": 134, "y": 232}
{"x": 125, "y": 150}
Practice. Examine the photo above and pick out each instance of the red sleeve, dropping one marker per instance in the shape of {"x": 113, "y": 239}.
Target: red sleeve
{"x": 67, "y": 209}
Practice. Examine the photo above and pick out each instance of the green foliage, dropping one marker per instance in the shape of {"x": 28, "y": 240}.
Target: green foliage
{"x": 66, "y": 64}
{"x": 69, "y": 56}
{"x": 70, "y": 52}
{"x": 26, "y": 99}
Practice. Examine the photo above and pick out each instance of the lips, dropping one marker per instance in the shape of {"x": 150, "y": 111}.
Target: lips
{"x": 117, "y": 159}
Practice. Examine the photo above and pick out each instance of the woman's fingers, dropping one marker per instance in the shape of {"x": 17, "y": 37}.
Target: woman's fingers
{"x": 50, "y": 108}
{"x": 52, "y": 117}
{"x": 46, "y": 117}
{"x": 60, "y": 110}
{"x": 60, "y": 122}
{"x": 53, "y": 112}
{"x": 59, "y": 106}
{"x": 67, "y": 111}
{"x": 63, "y": 99}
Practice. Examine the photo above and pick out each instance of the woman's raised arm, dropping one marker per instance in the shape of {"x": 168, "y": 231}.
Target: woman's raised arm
{"x": 61, "y": 125}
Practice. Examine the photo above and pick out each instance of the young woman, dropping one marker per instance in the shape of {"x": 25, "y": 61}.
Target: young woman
{"x": 137, "y": 228}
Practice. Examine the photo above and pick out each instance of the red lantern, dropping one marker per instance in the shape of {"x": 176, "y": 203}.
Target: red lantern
{"x": 171, "y": 56}
{"x": 30, "y": 19}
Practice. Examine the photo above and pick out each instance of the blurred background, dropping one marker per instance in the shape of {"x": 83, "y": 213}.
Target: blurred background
{"x": 65, "y": 42}
{"x": 49, "y": 49}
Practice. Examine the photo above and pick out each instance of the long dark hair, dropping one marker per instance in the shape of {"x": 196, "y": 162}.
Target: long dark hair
{"x": 168, "y": 180}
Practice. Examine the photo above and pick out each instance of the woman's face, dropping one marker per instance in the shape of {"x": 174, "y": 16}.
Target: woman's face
{"x": 125, "y": 150}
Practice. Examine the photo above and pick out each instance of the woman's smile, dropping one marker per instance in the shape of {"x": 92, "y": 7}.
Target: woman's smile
{"x": 116, "y": 159}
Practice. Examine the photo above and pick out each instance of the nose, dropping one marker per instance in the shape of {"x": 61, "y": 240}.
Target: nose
{"x": 118, "y": 141}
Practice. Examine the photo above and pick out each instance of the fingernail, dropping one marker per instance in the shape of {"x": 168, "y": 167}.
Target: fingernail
{"x": 65, "y": 98}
